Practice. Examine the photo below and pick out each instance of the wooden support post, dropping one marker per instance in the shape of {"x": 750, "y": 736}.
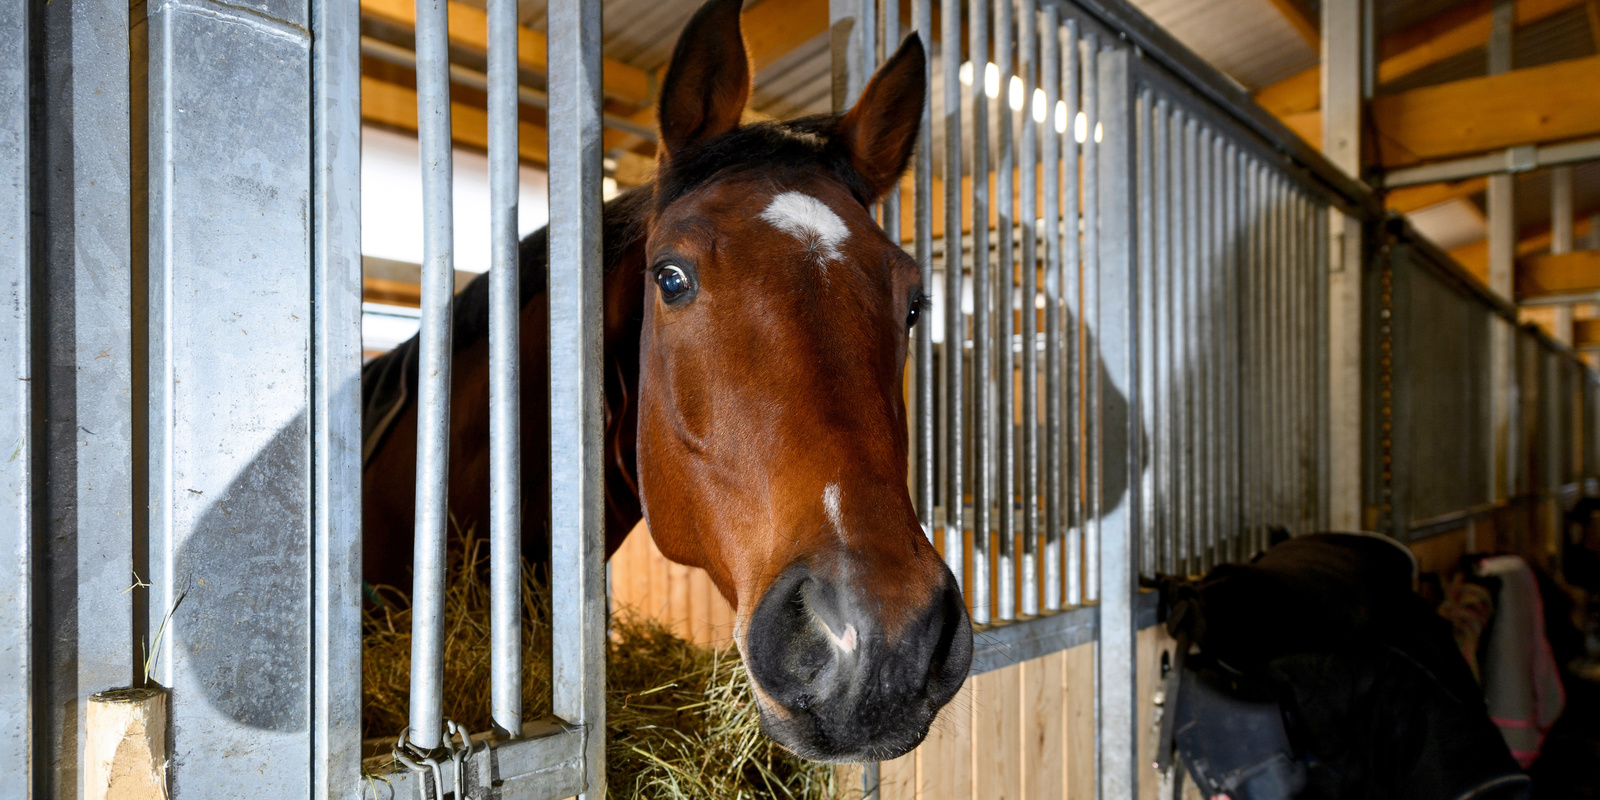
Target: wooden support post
{"x": 125, "y": 753}
{"x": 1561, "y": 240}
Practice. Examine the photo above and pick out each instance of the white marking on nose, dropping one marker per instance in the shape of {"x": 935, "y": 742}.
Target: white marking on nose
{"x": 810, "y": 220}
{"x": 830, "y": 504}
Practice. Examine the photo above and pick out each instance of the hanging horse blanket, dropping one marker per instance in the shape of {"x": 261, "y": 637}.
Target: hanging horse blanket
{"x": 1374, "y": 698}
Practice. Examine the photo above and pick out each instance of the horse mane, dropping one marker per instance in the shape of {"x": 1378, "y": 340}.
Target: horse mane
{"x": 389, "y": 382}
{"x": 777, "y": 149}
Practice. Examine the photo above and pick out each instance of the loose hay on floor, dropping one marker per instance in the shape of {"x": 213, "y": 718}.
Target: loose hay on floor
{"x": 679, "y": 716}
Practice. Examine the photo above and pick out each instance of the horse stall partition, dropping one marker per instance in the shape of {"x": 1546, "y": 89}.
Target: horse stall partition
{"x": 181, "y": 351}
{"x": 1143, "y": 374}
{"x": 1434, "y": 475}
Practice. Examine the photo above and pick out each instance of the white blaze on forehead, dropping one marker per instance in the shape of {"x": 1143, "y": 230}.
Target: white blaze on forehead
{"x": 830, "y": 504}
{"x": 810, "y": 220}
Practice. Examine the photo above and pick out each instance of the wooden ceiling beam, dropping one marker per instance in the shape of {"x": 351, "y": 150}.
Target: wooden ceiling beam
{"x": 1414, "y": 198}
{"x": 1299, "y": 18}
{"x": 1428, "y": 42}
{"x": 1585, "y": 333}
{"x": 1537, "y": 105}
{"x": 1542, "y": 275}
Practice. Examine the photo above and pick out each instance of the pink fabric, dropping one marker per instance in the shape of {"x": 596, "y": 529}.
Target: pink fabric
{"x": 1521, "y": 683}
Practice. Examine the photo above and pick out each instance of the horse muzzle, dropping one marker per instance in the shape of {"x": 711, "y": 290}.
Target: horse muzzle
{"x": 832, "y": 686}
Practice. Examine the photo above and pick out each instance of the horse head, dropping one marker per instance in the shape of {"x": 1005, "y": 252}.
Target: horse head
{"x": 773, "y": 433}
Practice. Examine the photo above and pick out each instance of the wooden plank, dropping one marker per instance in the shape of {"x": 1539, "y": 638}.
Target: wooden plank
{"x": 1293, "y": 95}
{"x": 1300, "y": 19}
{"x": 469, "y": 28}
{"x": 1526, "y": 106}
{"x": 1044, "y": 713}
{"x": 395, "y": 106}
{"x": 772, "y": 29}
{"x": 1078, "y": 744}
{"x": 1413, "y": 198}
{"x": 1150, "y": 645}
{"x": 946, "y": 758}
{"x": 1586, "y": 333}
{"x": 997, "y": 734}
{"x": 897, "y": 779}
{"x": 1568, "y": 273}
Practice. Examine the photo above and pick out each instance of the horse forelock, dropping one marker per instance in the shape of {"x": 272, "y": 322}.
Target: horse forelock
{"x": 791, "y": 149}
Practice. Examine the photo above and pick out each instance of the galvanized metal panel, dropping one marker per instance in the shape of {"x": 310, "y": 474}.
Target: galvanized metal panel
{"x": 17, "y": 473}
{"x": 86, "y": 379}
{"x": 230, "y": 274}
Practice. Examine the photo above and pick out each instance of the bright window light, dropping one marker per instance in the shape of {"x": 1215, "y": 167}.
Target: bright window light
{"x": 1080, "y": 128}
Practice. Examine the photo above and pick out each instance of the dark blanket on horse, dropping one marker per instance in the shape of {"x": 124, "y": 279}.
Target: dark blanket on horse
{"x": 1376, "y": 699}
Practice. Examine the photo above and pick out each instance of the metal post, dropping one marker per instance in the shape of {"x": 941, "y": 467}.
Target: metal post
{"x": 1094, "y": 460}
{"x": 1502, "y": 266}
{"x": 433, "y": 381}
{"x": 1346, "y": 48}
{"x": 1028, "y": 58}
{"x": 577, "y": 417}
{"x": 1561, "y": 239}
{"x": 1007, "y": 308}
{"x": 505, "y": 380}
{"x": 982, "y": 344}
{"x": 1061, "y": 409}
{"x": 922, "y": 207}
{"x": 1119, "y": 434}
{"x": 336, "y": 398}
{"x": 955, "y": 327}
{"x": 16, "y": 403}
{"x": 1162, "y": 400}
{"x": 1145, "y": 164}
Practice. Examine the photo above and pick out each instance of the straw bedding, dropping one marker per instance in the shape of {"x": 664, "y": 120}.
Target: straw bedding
{"x": 680, "y": 717}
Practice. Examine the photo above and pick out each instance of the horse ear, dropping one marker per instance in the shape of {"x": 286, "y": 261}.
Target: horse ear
{"x": 881, "y": 129}
{"x": 708, "y": 81}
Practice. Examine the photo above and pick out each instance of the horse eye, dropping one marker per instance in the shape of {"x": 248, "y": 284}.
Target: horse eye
{"x": 911, "y": 317}
{"x": 673, "y": 282}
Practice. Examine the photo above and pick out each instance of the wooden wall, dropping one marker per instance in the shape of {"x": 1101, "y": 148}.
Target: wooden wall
{"x": 1024, "y": 731}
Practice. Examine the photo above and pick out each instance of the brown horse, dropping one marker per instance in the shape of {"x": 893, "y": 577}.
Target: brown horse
{"x": 756, "y": 327}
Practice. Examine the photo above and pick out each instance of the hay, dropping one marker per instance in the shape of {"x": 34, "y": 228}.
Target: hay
{"x": 680, "y": 717}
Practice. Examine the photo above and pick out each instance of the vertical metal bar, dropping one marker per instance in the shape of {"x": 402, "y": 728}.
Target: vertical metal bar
{"x": 890, "y": 25}
{"x": 577, "y": 419}
{"x": 16, "y": 404}
{"x": 1278, "y": 374}
{"x": 1259, "y": 223}
{"x": 1204, "y": 322}
{"x": 505, "y": 380}
{"x": 1028, "y": 38}
{"x": 982, "y": 343}
{"x": 1119, "y": 434}
{"x": 1216, "y": 491}
{"x": 1325, "y": 408}
{"x": 1162, "y": 398}
{"x": 1305, "y": 268}
{"x": 336, "y": 386}
{"x": 922, "y": 208}
{"x": 955, "y": 322}
{"x": 1561, "y": 240}
{"x": 433, "y": 384}
{"x": 1007, "y": 307}
{"x": 1183, "y": 359}
{"x": 1061, "y": 405}
{"x": 1094, "y": 461}
{"x": 1145, "y": 163}
{"x": 1232, "y": 315}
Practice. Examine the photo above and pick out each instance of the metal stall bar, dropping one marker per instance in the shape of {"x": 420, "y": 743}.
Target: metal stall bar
{"x": 1118, "y": 435}
{"x": 1205, "y": 273}
{"x": 1147, "y": 321}
{"x": 433, "y": 379}
{"x": 336, "y": 397}
{"x": 1007, "y": 307}
{"x": 1216, "y": 283}
{"x": 1061, "y": 445}
{"x": 955, "y": 322}
{"x": 1233, "y": 519}
{"x": 1067, "y": 231}
{"x": 17, "y": 474}
{"x": 1161, "y": 288}
{"x": 1182, "y": 404}
{"x": 889, "y": 24}
{"x": 1094, "y": 467}
{"x": 922, "y": 208}
{"x": 982, "y": 317}
{"x": 1028, "y": 59}
{"x": 505, "y": 379}
{"x": 1255, "y": 275}
{"x": 577, "y": 417}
